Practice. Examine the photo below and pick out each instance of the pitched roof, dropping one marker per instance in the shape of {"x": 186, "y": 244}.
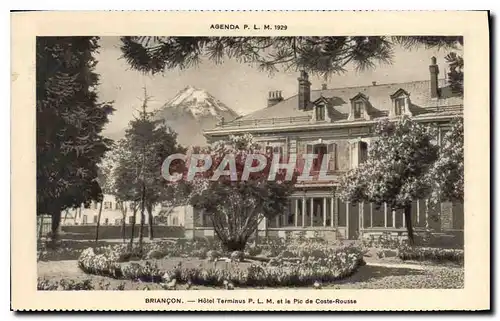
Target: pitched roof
{"x": 379, "y": 97}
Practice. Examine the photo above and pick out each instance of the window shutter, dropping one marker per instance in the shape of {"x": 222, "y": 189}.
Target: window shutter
{"x": 303, "y": 149}
{"x": 332, "y": 152}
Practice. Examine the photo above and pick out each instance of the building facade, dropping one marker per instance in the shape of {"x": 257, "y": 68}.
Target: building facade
{"x": 337, "y": 124}
{"x": 114, "y": 212}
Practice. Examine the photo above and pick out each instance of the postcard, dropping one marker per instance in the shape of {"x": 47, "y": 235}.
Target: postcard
{"x": 250, "y": 161}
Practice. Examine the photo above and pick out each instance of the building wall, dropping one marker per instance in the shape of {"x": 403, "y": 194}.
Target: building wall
{"x": 113, "y": 212}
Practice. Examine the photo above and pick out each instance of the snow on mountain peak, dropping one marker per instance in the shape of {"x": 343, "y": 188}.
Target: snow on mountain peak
{"x": 198, "y": 101}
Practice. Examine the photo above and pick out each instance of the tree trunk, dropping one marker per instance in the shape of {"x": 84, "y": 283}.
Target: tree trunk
{"x": 124, "y": 218}
{"x": 143, "y": 218}
{"x": 133, "y": 228}
{"x": 40, "y": 230}
{"x": 56, "y": 221}
{"x": 65, "y": 216}
{"x": 409, "y": 224}
{"x": 234, "y": 245}
{"x": 151, "y": 222}
{"x": 98, "y": 223}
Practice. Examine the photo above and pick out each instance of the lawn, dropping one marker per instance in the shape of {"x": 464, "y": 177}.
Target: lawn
{"x": 298, "y": 261}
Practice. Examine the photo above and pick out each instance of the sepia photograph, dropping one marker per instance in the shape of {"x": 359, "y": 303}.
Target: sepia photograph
{"x": 215, "y": 163}
{"x": 390, "y": 201}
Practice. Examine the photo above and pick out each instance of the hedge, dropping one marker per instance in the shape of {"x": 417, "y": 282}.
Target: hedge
{"x": 87, "y": 232}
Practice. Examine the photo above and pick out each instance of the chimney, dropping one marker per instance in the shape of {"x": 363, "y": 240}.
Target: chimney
{"x": 434, "y": 72}
{"x": 274, "y": 98}
{"x": 304, "y": 90}
{"x": 323, "y": 87}
{"x": 374, "y": 83}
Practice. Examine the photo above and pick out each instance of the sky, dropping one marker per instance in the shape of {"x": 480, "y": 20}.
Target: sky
{"x": 241, "y": 87}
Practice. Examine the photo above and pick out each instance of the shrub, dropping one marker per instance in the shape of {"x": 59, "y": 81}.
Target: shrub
{"x": 87, "y": 232}
{"x": 200, "y": 253}
{"x": 237, "y": 256}
{"x": 98, "y": 264}
{"x": 65, "y": 285}
{"x": 72, "y": 285}
{"x": 147, "y": 272}
{"x": 46, "y": 285}
{"x": 437, "y": 255}
{"x": 213, "y": 255}
{"x": 385, "y": 241}
{"x": 254, "y": 250}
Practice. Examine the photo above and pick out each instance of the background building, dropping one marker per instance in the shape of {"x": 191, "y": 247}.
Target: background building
{"x": 114, "y": 212}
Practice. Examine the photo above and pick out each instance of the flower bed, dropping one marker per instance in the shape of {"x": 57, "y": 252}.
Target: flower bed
{"x": 68, "y": 250}
{"x": 65, "y": 285}
{"x": 71, "y": 250}
{"x": 72, "y": 285}
{"x": 328, "y": 267}
{"x": 437, "y": 255}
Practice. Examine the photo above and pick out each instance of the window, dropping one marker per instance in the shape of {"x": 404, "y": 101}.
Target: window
{"x": 118, "y": 221}
{"x": 84, "y": 219}
{"x": 108, "y": 205}
{"x": 175, "y": 221}
{"x": 321, "y": 151}
{"x": 95, "y": 205}
{"x": 442, "y": 135}
{"x": 320, "y": 112}
{"x": 131, "y": 219}
{"x": 278, "y": 150}
{"x": 363, "y": 152}
{"x": 399, "y": 106}
{"x": 95, "y": 219}
{"x": 106, "y": 221}
{"x": 118, "y": 206}
{"x": 131, "y": 206}
{"x": 332, "y": 152}
{"x": 358, "y": 109}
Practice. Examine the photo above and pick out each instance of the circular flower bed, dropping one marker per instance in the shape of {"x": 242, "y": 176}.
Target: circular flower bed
{"x": 325, "y": 265}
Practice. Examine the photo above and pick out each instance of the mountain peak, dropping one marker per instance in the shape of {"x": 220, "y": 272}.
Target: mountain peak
{"x": 198, "y": 102}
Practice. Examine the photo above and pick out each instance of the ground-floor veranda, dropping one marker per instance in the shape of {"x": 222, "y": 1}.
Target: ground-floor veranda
{"x": 321, "y": 213}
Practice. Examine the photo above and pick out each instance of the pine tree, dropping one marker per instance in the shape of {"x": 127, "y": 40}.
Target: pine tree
{"x": 138, "y": 176}
{"x": 69, "y": 124}
{"x": 323, "y": 56}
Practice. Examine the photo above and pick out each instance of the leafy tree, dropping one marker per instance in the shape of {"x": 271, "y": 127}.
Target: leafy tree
{"x": 69, "y": 121}
{"x": 237, "y": 206}
{"x": 324, "y": 56}
{"x": 447, "y": 173}
{"x": 138, "y": 177}
{"x": 396, "y": 169}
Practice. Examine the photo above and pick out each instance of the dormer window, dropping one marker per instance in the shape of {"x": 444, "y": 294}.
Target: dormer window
{"x": 320, "y": 112}
{"x": 400, "y": 103}
{"x": 358, "y": 110}
{"x": 359, "y": 107}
